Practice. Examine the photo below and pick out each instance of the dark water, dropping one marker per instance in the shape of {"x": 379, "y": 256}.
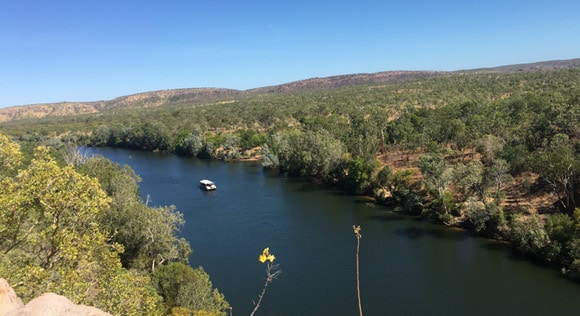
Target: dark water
{"x": 408, "y": 266}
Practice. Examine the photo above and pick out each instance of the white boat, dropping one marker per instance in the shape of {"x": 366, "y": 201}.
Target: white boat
{"x": 207, "y": 185}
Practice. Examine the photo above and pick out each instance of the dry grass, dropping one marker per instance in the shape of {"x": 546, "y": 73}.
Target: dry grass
{"x": 525, "y": 195}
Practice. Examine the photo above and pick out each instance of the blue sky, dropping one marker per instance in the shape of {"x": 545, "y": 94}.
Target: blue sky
{"x": 88, "y": 50}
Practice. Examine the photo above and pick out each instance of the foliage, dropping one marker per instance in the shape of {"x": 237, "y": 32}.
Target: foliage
{"x": 189, "y": 143}
{"x": 559, "y": 164}
{"x": 315, "y": 153}
{"x": 65, "y": 230}
{"x": 147, "y": 234}
{"x": 358, "y": 175}
{"x": 564, "y": 233}
{"x": 437, "y": 176}
{"x": 486, "y": 219}
{"x": 497, "y": 177}
{"x": 10, "y": 156}
{"x": 250, "y": 138}
{"x": 468, "y": 178}
{"x": 404, "y": 192}
{"x": 529, "y": 237}
{"x": 269, "y": 158}
{"x": 51, "y": 240}
{"x": 189, "y": 289}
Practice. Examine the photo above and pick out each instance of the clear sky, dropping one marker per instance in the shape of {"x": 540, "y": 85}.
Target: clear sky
{"x": 88, "y": 50}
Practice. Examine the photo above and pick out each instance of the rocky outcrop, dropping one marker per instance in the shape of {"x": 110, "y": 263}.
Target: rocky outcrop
{"x": 9, "y": 301}
{"x": 48, "y": 304}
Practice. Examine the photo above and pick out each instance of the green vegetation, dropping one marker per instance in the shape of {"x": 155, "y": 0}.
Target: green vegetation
{"x": 83, "y": 232}
{"x": 498, "y": 153}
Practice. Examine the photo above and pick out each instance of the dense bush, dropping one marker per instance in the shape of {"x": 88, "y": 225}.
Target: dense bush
{"x": 83, "y": 232}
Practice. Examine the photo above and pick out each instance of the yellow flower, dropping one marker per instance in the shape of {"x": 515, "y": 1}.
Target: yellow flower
{"x": 357, "y": 231}
{"x": 266, "y": 256}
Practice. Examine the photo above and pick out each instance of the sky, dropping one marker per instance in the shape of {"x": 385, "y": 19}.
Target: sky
{"x": 89, "y": 50}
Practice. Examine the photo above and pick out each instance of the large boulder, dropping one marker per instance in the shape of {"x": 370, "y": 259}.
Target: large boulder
{"x": 9, "y": 301}
{"x": 48, "y": 304}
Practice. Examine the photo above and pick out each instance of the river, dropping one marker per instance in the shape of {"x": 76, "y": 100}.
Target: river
{"x": 408, "y": 266}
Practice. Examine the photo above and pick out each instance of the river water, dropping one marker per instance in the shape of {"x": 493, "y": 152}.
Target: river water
{"x": 408, "y": 266}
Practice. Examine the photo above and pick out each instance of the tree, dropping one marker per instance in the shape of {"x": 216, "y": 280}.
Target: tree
{"x": 10, "y": 156}
{"x": 468, "y": 179}
{"x": 384, "y": 176}
{"x": 51, "y": 240}
{"x": 489, "y": 146}
{"x": 269, "y": 158}
{"x": 56, "y": 208}
{"x": 363, "y": 139}
{"x": 102, "y": 136}
{"x": 189, "y": 143}
{"x": 250, "y": 138}
{"x": 561, "y": 230}
{"x": 358, "y": 175}
{"x": 147, "y": 234}
{"x": 151, "y": 136}
{"x": 229, "y": 149}
{"x": 184, "y": 287}
{"x": 437, "y": 176}
{"x": 559, "y": 165}
{"x": 403, "y": 190}
{"x": 497, "y": 176}
{"x": 316, "y": 154}
{"x": 529, "y": 237}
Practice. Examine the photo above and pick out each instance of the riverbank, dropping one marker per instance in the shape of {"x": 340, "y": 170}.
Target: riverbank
{"x": 407, "y": 263}
{"x": 521, "y": 209}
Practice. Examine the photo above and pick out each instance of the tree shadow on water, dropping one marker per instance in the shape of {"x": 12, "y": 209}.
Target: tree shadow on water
{"x": 386, "y": 217}
{"x": 509, "y": 251}
{"x": 429, "y": 232}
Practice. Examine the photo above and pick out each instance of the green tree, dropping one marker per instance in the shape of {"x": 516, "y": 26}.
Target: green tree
{"x": 185, "y": 287}
{"x": 151, "y": 136}
{"x": 530, "y": 238}
{"x": 497, "y": 177}
{"x": 49, "y": 202}
{"x": 316, "y": 154}
{"x": 147, "y": 234}
{"x": 468, "y": 179}
{"x": 384, "y": 176}
{"x": 404, "y": 191}
{"x": 269, "y": 158}
{"x": 10, "y": 156}
{"x": 559, "y": 165}
{"x": 51, "y": 240}
{"x": 437, "y": 176}
{"x": 102, "y": 136}
{"x": 189, "y": 143}
{"x": 358, "y": 175}
{"x": 250, "y": 138}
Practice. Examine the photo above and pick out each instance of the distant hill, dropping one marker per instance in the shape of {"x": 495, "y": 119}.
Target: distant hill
{"x": 345, "y": 81}
{"x": 209, "y": 95}
{"x": 539, "y": 66}
{"x": 145, "y": 99}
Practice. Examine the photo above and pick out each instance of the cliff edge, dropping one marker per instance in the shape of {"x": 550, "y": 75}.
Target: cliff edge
{"x": 48, "y": 304}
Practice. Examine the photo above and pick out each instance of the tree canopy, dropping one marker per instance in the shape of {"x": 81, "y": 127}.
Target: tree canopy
{"x": 63, "y": 231}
